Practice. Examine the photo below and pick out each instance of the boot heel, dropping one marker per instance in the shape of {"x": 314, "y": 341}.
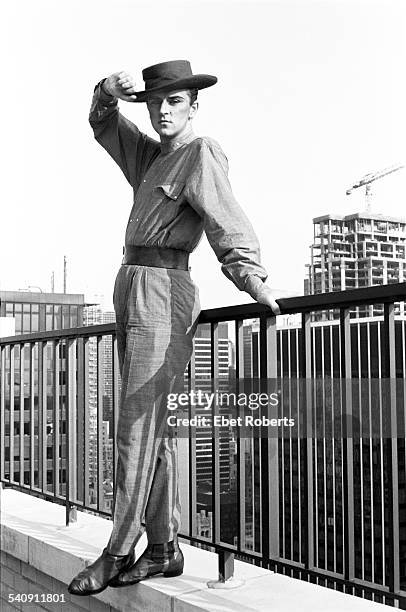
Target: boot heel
{"x": 173, "y": 573}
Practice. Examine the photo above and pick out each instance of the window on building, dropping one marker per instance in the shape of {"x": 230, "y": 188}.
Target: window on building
{"x": 49, "y": 317}
{"x": 73, "y": 316}
{"x": 57, "y": 316}
{"x": 65, "y": 317}
{"x": 26, "y": 318}
{"x": 34, "y": 317}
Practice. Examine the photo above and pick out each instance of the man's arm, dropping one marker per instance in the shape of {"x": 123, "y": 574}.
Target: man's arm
{"x": 131, "y": 149}
{"x": 227, "y": 228}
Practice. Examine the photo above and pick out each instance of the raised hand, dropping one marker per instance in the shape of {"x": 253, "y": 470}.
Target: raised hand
{"x": 121, "y": 85}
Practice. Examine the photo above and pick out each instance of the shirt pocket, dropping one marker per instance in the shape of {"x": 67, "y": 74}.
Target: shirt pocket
{"x": 171, "y": 190}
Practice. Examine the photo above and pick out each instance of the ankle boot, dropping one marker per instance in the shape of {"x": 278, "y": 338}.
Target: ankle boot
{"x": 166, "y": 559}
{"x": 97, "y": 576}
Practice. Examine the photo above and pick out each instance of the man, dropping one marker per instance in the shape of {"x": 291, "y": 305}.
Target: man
{"x": 180, "y": 190}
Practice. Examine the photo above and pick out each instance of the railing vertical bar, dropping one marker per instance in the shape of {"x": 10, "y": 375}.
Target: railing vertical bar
{"x": 81, "y": 475}
{"x": 382, "y": 446}
{"x": 283, "y": 444}
{"x": 269, "y": 370}
{"x": 71, "y": 461}
{"x": 215, "y": 441}
{"x": 316, "y": 463}
{"x": 348, "y": 453}
{"x": 264, "y": 447}
{"x": 371, "y": 462}
{"x": 115, "y": 392}
{"x": 333, "y": 447}
{"x": 32, "y": 414}
{"x": 22, "y": 399}
{"x": 225, "y": 558}
{"x": 286, "y": 442}
{"x": 41, "y": 441}
{"x": 239, "y": 369}
{"x": 100, "y": 490}
{"x": 56, "y": 419}
{"x": 299, "y": 472}
{"x": 392, "y": 499}
{"x": 44, "y": 421}
{"x": 12, "y": 383}
{"x": 324, "y": 445}
{"x": 192, "y": 453}
{"x": 2, "y": 410}
{"x": 308, "y": 511}
{"x": 86, "y": 485}
{"x": 361, "y": 454}
{"x": 68, "y": 452}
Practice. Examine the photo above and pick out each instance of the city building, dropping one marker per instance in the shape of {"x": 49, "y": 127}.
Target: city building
{"x": 29, "y": 312}
{"x": 371, "y": 454}
{"x": 37, "y": 311}
{"x": 100, "y": 349}
{"x": 201, "y": 366}
{"x": 357, "y": 250}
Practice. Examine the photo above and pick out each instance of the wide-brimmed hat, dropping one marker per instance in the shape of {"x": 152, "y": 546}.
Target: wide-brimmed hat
{"x": 174, "y": 75}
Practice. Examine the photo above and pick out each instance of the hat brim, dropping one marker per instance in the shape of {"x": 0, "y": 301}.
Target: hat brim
{"x": 197, "y": 81}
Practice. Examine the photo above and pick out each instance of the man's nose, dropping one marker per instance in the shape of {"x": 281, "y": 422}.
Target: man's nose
{"x": 164, "y": 108}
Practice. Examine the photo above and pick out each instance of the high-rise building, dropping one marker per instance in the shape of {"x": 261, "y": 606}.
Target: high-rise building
{"x": 358, "y": 250}
{"x": 201, "y": 363}
{"x": 100, "y": 349}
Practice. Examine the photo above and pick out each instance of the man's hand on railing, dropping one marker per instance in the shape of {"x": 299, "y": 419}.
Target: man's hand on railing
{"x": 268, "y": 297}
{"x": 121, "y": 85}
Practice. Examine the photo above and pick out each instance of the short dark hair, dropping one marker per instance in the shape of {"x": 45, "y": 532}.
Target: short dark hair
{"x": 193, "y": 95}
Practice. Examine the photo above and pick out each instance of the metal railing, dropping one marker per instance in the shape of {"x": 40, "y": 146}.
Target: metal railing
{"x": 327, "y": 509}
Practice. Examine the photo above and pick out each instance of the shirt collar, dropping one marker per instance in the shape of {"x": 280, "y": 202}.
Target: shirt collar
{"x": 171, "y": 145}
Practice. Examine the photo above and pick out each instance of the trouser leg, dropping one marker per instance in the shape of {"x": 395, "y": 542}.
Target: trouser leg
{"x": 157, "y": 349}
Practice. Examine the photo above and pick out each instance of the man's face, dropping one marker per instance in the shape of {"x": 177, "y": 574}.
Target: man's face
{"x": 171, "y": 113}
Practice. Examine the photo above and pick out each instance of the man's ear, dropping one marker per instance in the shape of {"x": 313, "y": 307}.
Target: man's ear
{"x": 193, "y": 109}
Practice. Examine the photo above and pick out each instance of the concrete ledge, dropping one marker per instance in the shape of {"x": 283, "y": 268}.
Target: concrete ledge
{"x": 34, "y": 535}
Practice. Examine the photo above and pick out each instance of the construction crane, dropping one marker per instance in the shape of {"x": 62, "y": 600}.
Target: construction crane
{"x": 370, "y": 178}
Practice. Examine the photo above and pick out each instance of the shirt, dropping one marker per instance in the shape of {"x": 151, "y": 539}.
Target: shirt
{"x": 181, "y": 190}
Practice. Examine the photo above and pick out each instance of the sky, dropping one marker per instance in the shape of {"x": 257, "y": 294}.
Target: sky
{"x": 311, "y": 96}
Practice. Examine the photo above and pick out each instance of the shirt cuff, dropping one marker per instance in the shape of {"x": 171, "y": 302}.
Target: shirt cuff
{"x": 105, "y": 97}
{"x": 254, "y": 286}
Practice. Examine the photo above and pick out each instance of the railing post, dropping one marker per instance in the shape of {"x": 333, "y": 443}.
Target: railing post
{"x": 264, "y": 447}
{"x": 71, "y": 462}
{"x": 226, "y": 565}
{"x": 21, "y": 453}
{"x": 391, "y": 448}
{"x": 306, "y": 373}
{"x": 348, "y": 447}
{"x": 270, "y": 370}
{"x": 239, "y": 368}
{"x": 2, "y": 409}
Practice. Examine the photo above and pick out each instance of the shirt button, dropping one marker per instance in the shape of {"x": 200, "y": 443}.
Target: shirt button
{"x": 144, "y": 181}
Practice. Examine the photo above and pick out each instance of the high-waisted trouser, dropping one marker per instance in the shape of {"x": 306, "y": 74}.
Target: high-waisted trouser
{"x": 156, "y": 315}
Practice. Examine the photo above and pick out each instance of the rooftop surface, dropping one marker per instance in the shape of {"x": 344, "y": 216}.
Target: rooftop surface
{"x": 34, "y": 531}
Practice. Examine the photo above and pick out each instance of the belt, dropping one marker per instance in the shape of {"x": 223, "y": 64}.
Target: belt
{"x": 158, "y": 257}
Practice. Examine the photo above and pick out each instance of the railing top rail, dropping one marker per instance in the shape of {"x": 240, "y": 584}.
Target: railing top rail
{"x": 378, "y": 294}
{"x": 59, "y": 334}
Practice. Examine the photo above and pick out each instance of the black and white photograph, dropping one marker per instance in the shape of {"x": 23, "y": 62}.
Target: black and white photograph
{"x": 202, "y": 306}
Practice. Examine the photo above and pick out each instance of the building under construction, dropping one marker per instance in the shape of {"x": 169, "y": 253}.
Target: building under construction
{"x": 357, "y": 250}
